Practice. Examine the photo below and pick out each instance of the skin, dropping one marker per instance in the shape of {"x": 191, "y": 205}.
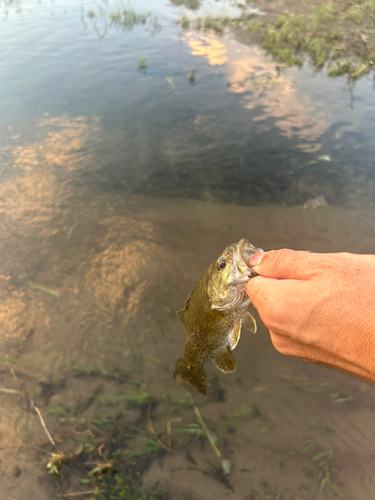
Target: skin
{"x": 318, "y": 307}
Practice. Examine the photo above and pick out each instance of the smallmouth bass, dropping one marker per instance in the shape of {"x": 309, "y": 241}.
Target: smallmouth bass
{"x": 214, "y": 313}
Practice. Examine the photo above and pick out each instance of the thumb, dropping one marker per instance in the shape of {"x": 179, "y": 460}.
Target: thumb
{"x": 286, "y": 264}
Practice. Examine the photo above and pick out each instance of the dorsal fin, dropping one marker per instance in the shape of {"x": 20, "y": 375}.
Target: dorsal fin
{"x": 224, "y": 360}
{"x": 249, "y": 323}
{"x": 187, "y": 302}
{"x": 181, "y": 316}
{"x": 234, "y": 335}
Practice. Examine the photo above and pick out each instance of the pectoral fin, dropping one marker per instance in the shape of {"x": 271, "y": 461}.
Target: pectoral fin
{"x": 224, "y": 360}
{"x": 249, "y": 323}
{"x": 234, "y": 335}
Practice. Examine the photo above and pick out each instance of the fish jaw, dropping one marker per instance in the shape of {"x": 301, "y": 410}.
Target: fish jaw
{"x": 226, "y": 289}
{"x": 243, "y": 252}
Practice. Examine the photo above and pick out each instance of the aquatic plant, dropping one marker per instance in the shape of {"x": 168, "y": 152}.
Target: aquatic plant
{"x": 45, "y": 290}
{"x": 175, "y": 403}
{"x": 87, "y": 370}
{"x": 189, "y": 4}
{"x": 320, "y": 466}
{"x": 142, "y": 63}
{"x": 192, "y": 75}
{"x": 136, "y": 398}
{"x": 125, "y": 18}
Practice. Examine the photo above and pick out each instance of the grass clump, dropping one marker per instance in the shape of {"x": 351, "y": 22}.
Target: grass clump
{"x": 192, "y": 75}
{"x": 337, "y": 35}
{"x": 189, "y": 4}
{"x": 208, "y": 23}
{"x": 124, "y": 18}
{"x": 127, "y": 19}
{"x": 142, "y": 63}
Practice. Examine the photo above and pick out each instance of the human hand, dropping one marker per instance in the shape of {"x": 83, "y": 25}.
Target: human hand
{"x": 319, "y": 307}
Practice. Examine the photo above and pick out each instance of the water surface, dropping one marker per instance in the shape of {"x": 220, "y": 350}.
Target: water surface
{"x": 122, "y": 177}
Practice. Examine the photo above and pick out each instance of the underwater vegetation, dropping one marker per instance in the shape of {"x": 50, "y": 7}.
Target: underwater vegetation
{"x": 101, "y": 443}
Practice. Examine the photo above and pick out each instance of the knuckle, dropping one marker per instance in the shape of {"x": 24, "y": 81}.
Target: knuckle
{"x": 282, "y": 257}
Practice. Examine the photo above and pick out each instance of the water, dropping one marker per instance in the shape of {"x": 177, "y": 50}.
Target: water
{"x": 119, "y": 184}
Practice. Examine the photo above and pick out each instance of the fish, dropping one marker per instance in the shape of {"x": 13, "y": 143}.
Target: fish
{"x": 214, "y": 313}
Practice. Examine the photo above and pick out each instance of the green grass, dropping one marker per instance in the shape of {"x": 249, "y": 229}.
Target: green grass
{"x": 119, "y": 373}
{"x": 124, "y": 18}
{"x": 57, "y": 411}
{"x": 193, "y": 430}
{"x": 192, "y": 75}
{"x": 136, "y": 398}
{"x": 208, "y": 23}
{"x": 270, "y": 491}
{"x": 189, "y": 4}
{"x": 45, "y": 290}
{"x": 175, "y": 403}
{"x": 142, "y": 63}
{"x": 246, "y": 413}
{"x": 86, "y": 370}
{"x": 338, "y": 36}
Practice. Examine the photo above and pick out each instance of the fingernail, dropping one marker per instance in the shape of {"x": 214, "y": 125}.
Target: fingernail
{"x": 256, "y": 259}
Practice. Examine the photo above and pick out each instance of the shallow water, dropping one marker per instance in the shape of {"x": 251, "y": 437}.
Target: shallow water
{"x": 118, "y": 186}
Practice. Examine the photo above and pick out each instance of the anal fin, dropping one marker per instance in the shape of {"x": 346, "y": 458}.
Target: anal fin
{"x": 224, "y": 360}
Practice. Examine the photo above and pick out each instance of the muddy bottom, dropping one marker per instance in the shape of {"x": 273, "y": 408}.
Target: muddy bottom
{"x": 90, "y": 339}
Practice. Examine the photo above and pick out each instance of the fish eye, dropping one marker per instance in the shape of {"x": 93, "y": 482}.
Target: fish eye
{"x": 221, "y": 263}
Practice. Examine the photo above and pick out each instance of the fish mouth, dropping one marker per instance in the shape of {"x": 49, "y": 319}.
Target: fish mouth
{"x": 240, "y": 274}
{"x": 245, "y": 250}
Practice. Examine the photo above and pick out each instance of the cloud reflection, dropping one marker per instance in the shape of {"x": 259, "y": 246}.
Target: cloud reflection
{"x": 214, "y": 50}
{"x": 38, "y": 181}
{"x": 256, "y": 77}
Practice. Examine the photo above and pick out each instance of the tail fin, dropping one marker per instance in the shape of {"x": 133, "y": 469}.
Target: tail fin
{"x": 193, "y": 375}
